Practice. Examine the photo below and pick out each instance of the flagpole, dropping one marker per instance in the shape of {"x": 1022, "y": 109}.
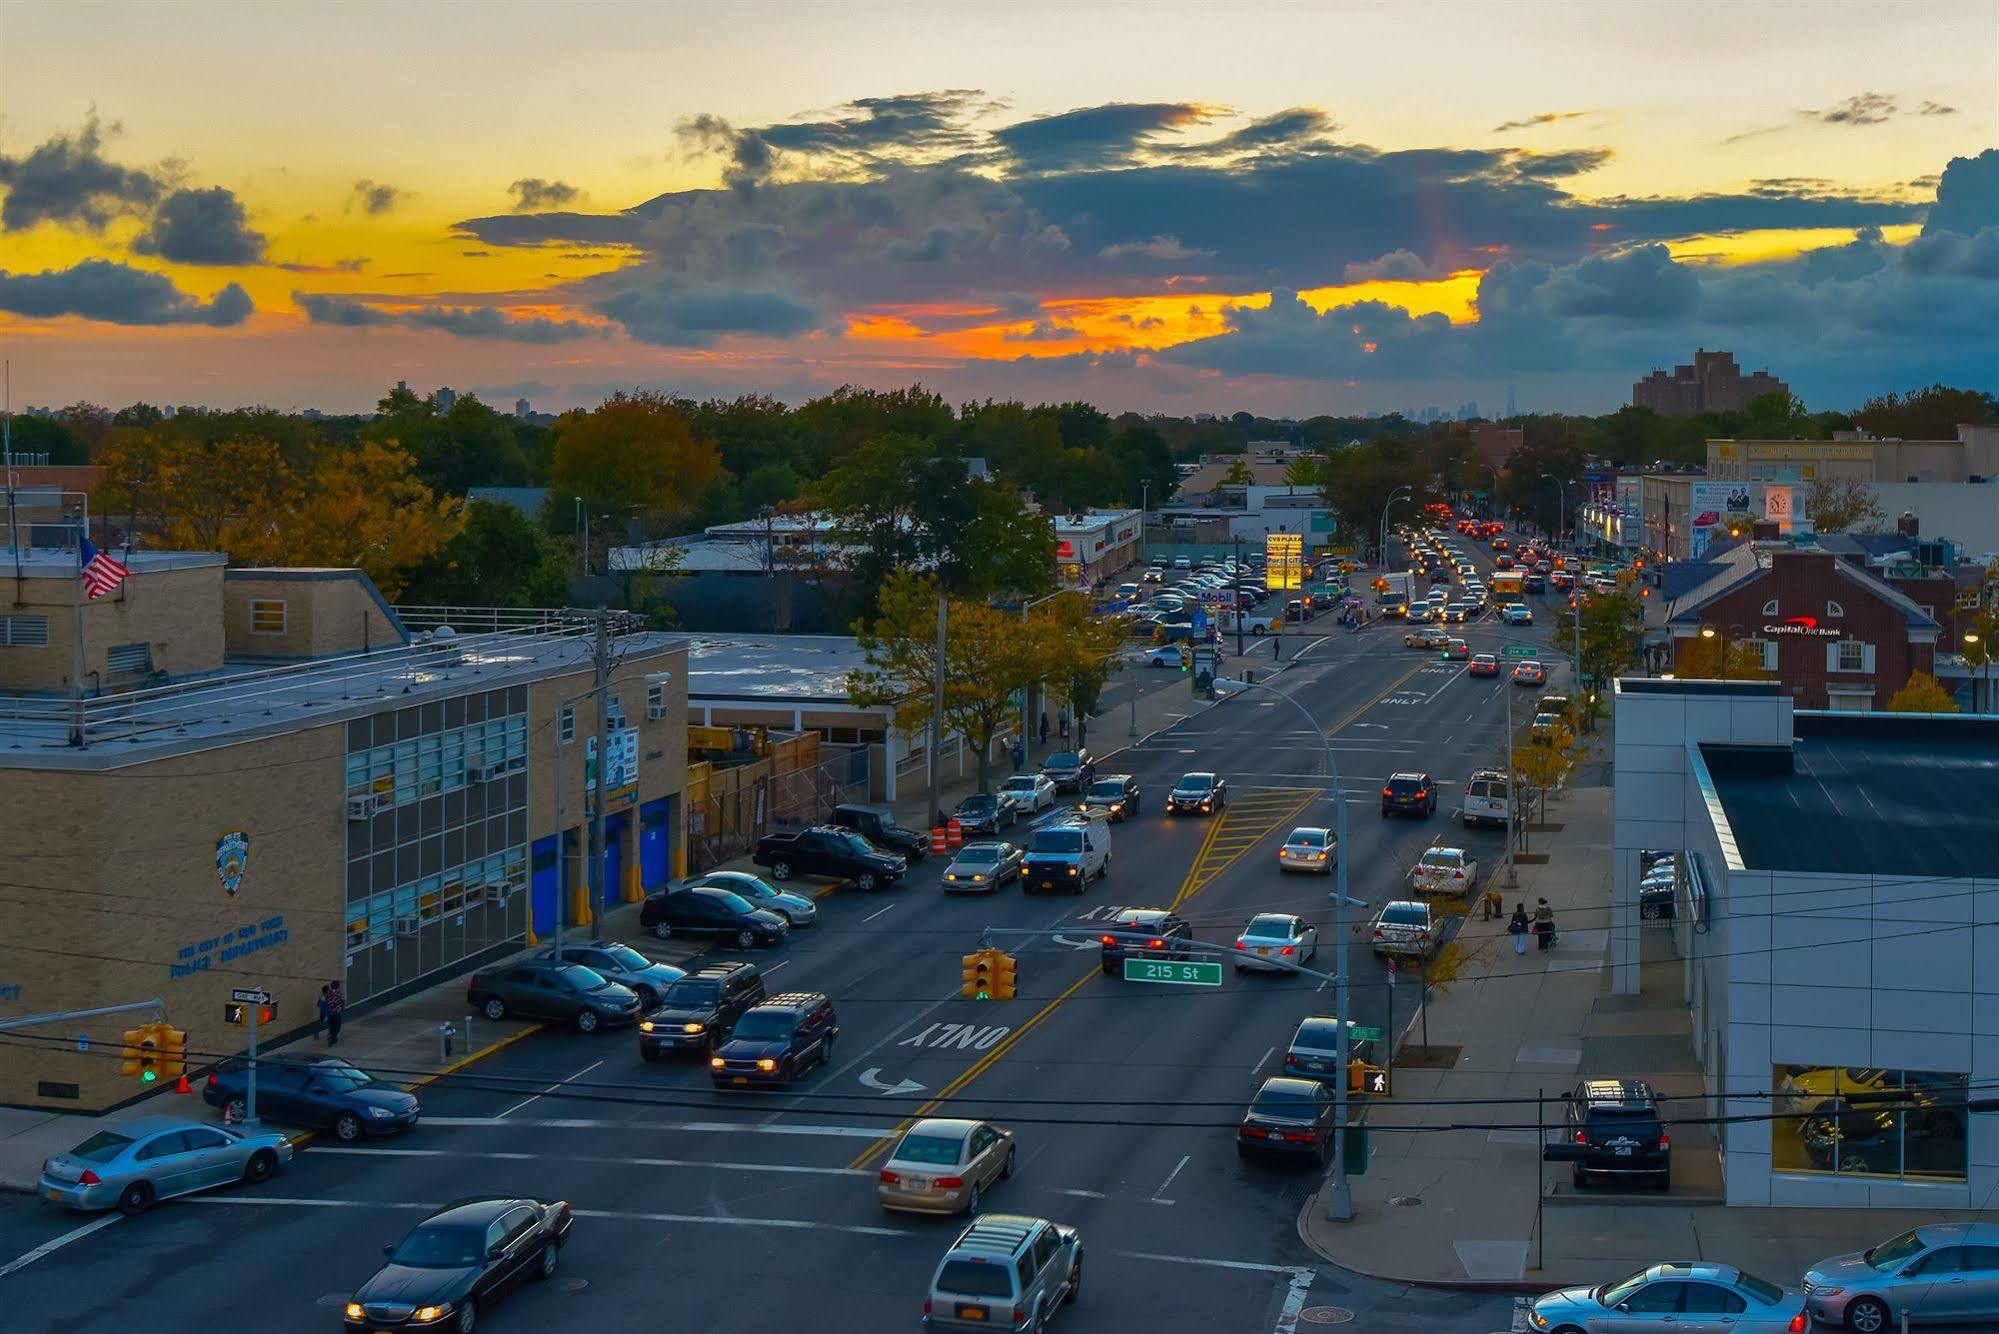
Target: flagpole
{"x": 7, "y": 448}
{"x": 76, "y": 650}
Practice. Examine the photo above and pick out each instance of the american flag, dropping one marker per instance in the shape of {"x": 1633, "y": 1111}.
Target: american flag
{"x": 101, "y": 574}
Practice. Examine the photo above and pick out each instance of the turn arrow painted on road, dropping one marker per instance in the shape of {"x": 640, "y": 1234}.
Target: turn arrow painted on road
{"x": 872, "y": 1078}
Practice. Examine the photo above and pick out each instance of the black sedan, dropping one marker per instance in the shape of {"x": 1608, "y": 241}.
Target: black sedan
{"x": 1116, "y": 793}
{"x": 986, "y": 813}
{"x": 1199, "y": 794}
{"x": 457, "y": 1262}
{"x": 703, "y": 911}
{"x": 1288, "y": 1118}
{"x": 553, "y": 989}
{"x": 1143, "y": 933}
{"x": 322, "y": 1092}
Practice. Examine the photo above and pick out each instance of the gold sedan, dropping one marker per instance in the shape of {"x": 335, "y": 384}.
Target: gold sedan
{"x": 945, "y": 1166}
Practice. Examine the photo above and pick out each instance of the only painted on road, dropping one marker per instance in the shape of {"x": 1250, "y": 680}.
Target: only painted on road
{"x": 1178, "y": 974}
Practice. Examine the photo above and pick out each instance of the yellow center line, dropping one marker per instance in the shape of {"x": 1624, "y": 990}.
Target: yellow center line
{"x": 1393, "y": 686}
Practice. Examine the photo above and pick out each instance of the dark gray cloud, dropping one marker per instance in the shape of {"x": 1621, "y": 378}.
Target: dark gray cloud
{"x": 1395, "y": 266}
{"x": 1537, "y": 121}
{"x": 1094, "y": 138}
{"x": 1296, "y": 130}
{"x": 1928, "y": 108}
{"x": 671, "y": 312}
{"x": 1967, "y": 195}
{"x": 375, "y": 198}
{"x": 67, "y": 179}
{"x": 1860, "y": 109}
{"x": 1160, "y": 249}
{"x": 100, "y": 289}
{"x": 487, "y": 322}
{"x": 202, "y": 227}
{"x": 352, "y": 264}
{"x": 532, "y": 194}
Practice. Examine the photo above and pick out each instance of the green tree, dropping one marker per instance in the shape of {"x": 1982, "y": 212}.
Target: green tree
{"x": 1303, "y": 471}
{"x": 46, "y": 435}
{"x": 1005, "y": 548}
{"x": 1145, "y": 463}
{"x": 634, "y": 453}
{"x": 1082, "y": 651}
{"x": 499, "y": 558}
{"x": 470, "y": 445}
{"x": 1610, "y": 626}
{"x": 1922, "y": 694}
{"x": 1238, "y": 474}
{"x": 1358, "y": 481}
{"x": 1934, "y": 413}
{"x": 1836, "y": 504}
{"x": 1774, "y": 416}
{"x": 899, "y": 502}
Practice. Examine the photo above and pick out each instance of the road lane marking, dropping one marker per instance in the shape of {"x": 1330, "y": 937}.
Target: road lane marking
{"x": 1176, "y": 1170}
{"x": 1246, "y": 1266}
{"x": 499, "y": 1156}
{"x": 1268, "y": 1053}
{"x": 695, "y": 1127}
{"x": 1393, "y": 686}
{"x": 1294, "y": 1301}
{"x": 55, "y": 1244}
{"x": 619, "y": 1215}
{"x": 1082, "y": 1194}
{"x": 553, "y": 1087}
{"x": 876, "y": 913}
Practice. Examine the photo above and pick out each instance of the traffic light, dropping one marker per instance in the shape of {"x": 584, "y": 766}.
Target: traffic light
{"x": 173, "y": 1051}
{"x": 142, "y": 1053}
{"x": 977, "y": 971}
{"x": 1003, "y": 976}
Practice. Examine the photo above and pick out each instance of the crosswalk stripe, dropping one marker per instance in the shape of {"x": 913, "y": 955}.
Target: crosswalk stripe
{"x": 697, "y": 1127}
{"x": 499, "y": 1156}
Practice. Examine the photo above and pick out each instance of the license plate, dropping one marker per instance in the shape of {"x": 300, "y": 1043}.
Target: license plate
{"x": 1622, "y": 1151}
{"x": 1261, "y": 950}
{"x": 971, "y": 1313}
{"x": 742, "y": 1079}
{"x": 54, "y": 1194}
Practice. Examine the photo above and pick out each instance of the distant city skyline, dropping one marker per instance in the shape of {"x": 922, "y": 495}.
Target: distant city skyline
{"x": 1220, "y": 208}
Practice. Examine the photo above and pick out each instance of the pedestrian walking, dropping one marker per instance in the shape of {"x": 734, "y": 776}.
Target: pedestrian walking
{"x": 1044, "y": 727}
{"x": 1516, "y": 927}
{"x": 1019, "y": 755}
{"x": 322, "y": 1002}
{"x": 1062, "y": 724}
{"x": 336, "y": 1003}
{"x": 1544, "y": 924}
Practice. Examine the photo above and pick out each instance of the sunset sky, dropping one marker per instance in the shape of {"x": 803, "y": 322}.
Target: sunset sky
{"x": 1327, "y": 207}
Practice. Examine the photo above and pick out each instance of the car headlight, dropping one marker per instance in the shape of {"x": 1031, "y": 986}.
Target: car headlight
{"x": 645, "y": 1025}
{"x": 692, "y": 1028}
{"x": 1827, "y": 1292}
{"x": 380, "y": 1112}
{"x": 425, "y": 1314}
{"x": 766, "y": 1064}
{"x": 716, "y": 1063}
{"x": 1536, "y": 1319}
{"x": 975, "y": 879}
{"x": 1072, "y": 870}
{"x": 354, "y": 1311}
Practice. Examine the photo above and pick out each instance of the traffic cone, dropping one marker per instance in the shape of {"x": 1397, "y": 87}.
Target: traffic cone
{"x": 183, "y": 1086}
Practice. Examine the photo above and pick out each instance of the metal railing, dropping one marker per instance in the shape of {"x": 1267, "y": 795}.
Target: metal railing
{"x": 472, "y": 620}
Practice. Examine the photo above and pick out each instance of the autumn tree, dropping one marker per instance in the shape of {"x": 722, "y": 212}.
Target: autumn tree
{"x": 1835, "y": 504}
{"x": 1721, "y": 658}
{"x": 364, "y": 508}
{"x": 1081, "y": 649}
{"x": 1436, "y": 975}
{"x": 1922, "y": 694}
{"x": 1609, "y": 637}
{"x": 633, "y": 454}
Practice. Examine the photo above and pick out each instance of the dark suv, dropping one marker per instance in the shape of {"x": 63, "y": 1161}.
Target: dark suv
{"x": 1116, "y": 793}
{"x": 698, "y": 1012}
{"x": 323, "y": 1092}
{"x": 776, "y": 1042}
{"x": 838, "y": 854}
{"x": 1144, "y": 933}
{"x": 552, "y": 989}
{"x": 1409, "y": 794}
{"x": 1070, "y": 770}
{"x": 878, "y": 827}
{"x": 1616, "y": 1122}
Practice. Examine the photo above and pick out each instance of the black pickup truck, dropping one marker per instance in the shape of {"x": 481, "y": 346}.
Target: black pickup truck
{"x": 837, "y": 854}
{"x": 879, "y": 828}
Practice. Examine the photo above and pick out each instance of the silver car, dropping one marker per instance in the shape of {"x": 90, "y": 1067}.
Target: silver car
{"x": 1005, "y": 1272}
{"x": 1947, "y": 1272}
{"x": 625, "y": 966}
{"x": 1669, "y": 1297}
{"x": 793, "y": 908}
{"x": 980, "y": 868}
{"x": 131, "y": 1164}
{"x": 1270, "y": 937}
{"x": 1309, "y": 848}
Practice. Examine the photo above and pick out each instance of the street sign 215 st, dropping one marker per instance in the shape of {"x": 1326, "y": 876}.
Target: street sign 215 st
{"x": 1518, "y": 651}
{"x": 1177, "y": 974}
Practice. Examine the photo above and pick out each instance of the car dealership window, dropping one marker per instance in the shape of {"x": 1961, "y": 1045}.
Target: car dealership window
{"x": 1861, "y": 1121}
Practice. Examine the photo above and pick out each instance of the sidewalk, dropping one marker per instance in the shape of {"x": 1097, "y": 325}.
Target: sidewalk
{"x": 399, "y": 1043}
{"x": 1455, "y": 1207}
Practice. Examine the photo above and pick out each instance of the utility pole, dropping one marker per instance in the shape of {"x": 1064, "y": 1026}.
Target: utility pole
{"x": 1144, "y": 513}
{"x": 561, "y": 842}
{"x": 1512, "y": 876}
{"x": 598, "y": 861}
{"x": 1237, "y": 576}
{"x": 937, "y": 716}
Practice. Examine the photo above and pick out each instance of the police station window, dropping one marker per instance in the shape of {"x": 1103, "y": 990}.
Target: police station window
{"x": 1834, "y": 610}
{"x": 1848, "y": 1120}
{"x": 1850, "y": 655}
{"x": 24, "y": 632}
{"x": 267, "y": 616}
{"x": 565, "y": 724}
{"x": 1767, "y": 648}
{"x": 1770, "y": 607}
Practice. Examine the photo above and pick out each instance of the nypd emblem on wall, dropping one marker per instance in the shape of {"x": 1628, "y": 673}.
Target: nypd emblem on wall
{"x": 232, "y": 854}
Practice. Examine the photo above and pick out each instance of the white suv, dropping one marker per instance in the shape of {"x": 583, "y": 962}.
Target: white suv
{"x": 1485, "y": 798}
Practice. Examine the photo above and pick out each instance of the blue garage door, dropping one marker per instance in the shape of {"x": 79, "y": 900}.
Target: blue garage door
{"x": 543, "y": 887}
{"x": 614, "y": 858}
{"x": 654, "y": 864}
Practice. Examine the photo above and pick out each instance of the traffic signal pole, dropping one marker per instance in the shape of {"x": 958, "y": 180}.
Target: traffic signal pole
{"x": 250, "y": 1114}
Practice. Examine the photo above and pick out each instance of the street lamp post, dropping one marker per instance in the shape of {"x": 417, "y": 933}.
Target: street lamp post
{"x": 1339, "y": 1205}
{"x": 1983, "y": 696}
{"x": 1381, "y": 548}
{"x": 1027, "y": 692}
{"x": 1561, "y": 504}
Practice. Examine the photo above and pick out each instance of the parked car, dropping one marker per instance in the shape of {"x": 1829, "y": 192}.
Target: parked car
{"x": 458, "y": 1262}
{"x": 1940, "y": 1272}
{"x": 624, "y": 965}
{"x": 322, "y": 1092}
{"x": 945, "y": 1165}
{"x": 1616, "y": 1122}
{"x": 553, "y": 989}
{"x": 1530, "y": 673}
{"x": 879, "y": 828}
{"x": 986, "y": 813}
{"x": 795, "y": 909}
{"x": 836, "y": 854}
{"x": 1151, "y": 933}
{"x": 1485, "y": 798}
{"x": 1069, "y": 770}
{"x": 1065, "y": 855}
{"x": 1689, "y": 1295}
{"x": 1117, "y": 794}
{"x": 1545, "y": 730}
{"x": 1290, "y": 1118}
{"x": 1031, "y": 792}
{"x": 700, "y": 1010}
{"x": 981, "y": 868}
{"x": 1920, "y": 1138}
{"x": 131, "y": 1165}
{"x": 1309, "y": 848}
{"x": 1275, "y": 936}
{"x": 1403, "y": 927}
{"x": 1314, "y": 1052}
{"x": 1005, "y": 1272}
{"x": 1444, "y": 871}
{"x": 1409, "y": 793}
{"x": 1482, "y": 664}
{"x": 1198, "y": 793}
{"x": 723, "y": 913}
{"x": 775, "y": 1042}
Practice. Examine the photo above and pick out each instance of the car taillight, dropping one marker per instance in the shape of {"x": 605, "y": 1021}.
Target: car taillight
{"x": 1289, "y": 949}
{"x": 1665, "y": 1140}
{"x": 1256, "y": 1132}
{"x": 89, "y": 1178}
{"x": 1019, "y": 1314}
{"x": 1423, "y": 939}
{"x": 1300, "y": 1136}
{"x": 1422, "y": 792}
{"x": 1798, "y": 1324}
{"x": 1156, "y": 944}
{"x": 1387, "y": 792}
{"x": 1582, "y": 1137}
{"x": 926, "y": 1306}
{"x": 1109, "y": 941}
{"x": 213, "y": 1081}
{"x": 1457, "y": 875}
{"x": 889, "y": 1178}
{"x": 1379, "y": 934}
{"x": 950, "y": 1183}
{"x": 1242, "y": 944}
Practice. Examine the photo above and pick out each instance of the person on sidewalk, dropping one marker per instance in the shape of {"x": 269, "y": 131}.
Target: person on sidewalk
{"x": 1516, "y": 927}
{"x": 1544, "y": 924}
{"x": 322, "y": 1002}
{"x": 1062, "y": 723}
{"x": 336, "y": 1003}
{"x": 1044, "y": 727}
{"x": 1019, "y": 755}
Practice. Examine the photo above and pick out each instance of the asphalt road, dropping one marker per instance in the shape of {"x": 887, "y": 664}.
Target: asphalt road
{"x": 737, "y": 1211}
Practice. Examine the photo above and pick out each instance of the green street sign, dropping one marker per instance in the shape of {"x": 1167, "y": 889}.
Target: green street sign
{"x": 1518, "y": 651}
{"x": 1177, "y": 974}
{"x": 1364, "y": 1033}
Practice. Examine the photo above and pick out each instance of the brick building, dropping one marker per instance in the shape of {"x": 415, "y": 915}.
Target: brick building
{"x": 1833, "y": 634}
{"x": 268, "y": 781}
{"x": 1713, "y": 383}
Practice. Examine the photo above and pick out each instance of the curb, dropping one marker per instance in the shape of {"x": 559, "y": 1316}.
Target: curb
{"x": 1517, "y": 1287}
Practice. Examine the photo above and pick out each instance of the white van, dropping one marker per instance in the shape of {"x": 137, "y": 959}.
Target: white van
{"x": 1485, "y": 798}
{"x": 1067, "y": 851}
